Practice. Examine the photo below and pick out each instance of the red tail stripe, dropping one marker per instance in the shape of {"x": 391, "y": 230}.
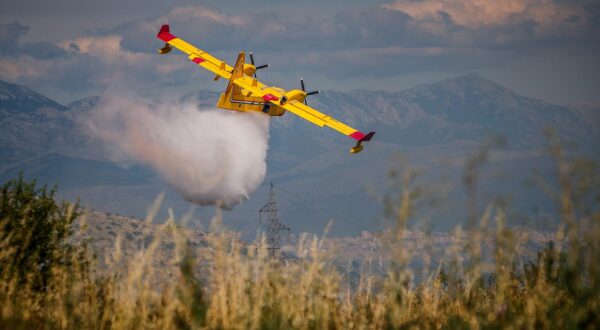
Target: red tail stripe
{"x": 166, "y": 36}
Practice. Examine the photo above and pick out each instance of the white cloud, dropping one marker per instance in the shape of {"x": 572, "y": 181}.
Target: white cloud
{"x": 23, "y": 67}
{"x": 190, "y": 13}
{"x": 105, "y": 48}
{"x": 477, "y": 13}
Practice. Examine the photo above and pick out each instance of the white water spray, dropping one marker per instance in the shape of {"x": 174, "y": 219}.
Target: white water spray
{"x": 210, "y": 156}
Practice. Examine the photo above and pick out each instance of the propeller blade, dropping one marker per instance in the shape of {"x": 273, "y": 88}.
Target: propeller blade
{"x": 304, "y": 90}
{"x": 252, "y": 62}
{"x": 256, "y": 67}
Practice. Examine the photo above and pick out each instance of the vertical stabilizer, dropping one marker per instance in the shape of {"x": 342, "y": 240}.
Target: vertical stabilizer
{"x": 238, "y": 72}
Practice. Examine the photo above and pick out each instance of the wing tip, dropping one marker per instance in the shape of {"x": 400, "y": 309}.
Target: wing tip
{"x": 368, "y": 137}
{"x": 163, "y": 29}
{"x": 164, "y": 33}
{"x": 360, "y": 137}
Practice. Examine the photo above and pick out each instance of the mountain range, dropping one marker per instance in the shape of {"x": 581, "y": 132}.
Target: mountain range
{"x": 433, "y": 128}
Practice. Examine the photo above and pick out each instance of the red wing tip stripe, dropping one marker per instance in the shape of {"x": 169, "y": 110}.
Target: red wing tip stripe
{"x": 358, "y": 135}
{"x": 362, "y": 137}
{"x": 270, "y": 97}
{"x": 198, "y": 60}
{"x": 165, "y": 36}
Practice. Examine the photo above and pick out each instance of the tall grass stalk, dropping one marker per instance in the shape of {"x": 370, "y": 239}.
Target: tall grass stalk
{"x": 241, "y": 287}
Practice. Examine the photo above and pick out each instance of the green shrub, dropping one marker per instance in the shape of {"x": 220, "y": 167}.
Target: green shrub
{"x": 37, "y": 228}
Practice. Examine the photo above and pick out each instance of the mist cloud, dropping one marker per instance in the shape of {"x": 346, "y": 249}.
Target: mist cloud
{"x": 11, "y": 45}
{"x": 210, "y": 156}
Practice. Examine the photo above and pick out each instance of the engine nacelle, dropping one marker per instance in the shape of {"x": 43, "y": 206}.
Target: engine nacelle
{"x": 293, "y": 95}
{"x": 249, "y": 69}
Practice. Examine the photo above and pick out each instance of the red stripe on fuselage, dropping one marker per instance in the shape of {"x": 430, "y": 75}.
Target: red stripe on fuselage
{"x": 358, "y": 135}
{"x": 270, "y": 97}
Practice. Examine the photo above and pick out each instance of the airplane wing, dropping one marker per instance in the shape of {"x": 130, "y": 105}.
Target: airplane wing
{"x": 196, "y": 55}
{"x": 321, "y": 119}
{"x": 251, "y": 86}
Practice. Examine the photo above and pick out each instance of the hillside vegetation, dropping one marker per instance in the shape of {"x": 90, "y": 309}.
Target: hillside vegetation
{"x": 48, "y": 281}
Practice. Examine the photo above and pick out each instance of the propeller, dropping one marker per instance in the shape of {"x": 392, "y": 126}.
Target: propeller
{"x": 258, "y": 67}
{"x": 307, "y": 93}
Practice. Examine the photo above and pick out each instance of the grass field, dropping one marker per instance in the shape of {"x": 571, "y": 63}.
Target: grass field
{"x": 48, "y": 282}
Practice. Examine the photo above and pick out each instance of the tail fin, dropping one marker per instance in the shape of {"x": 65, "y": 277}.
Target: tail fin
{"x": 238, "y": 72}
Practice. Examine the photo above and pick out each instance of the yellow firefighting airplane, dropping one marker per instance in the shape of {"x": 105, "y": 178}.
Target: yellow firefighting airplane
{"x": 245, "y": 93}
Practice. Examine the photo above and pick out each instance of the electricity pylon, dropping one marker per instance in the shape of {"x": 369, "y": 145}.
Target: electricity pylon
{"x": 274, "y": 227}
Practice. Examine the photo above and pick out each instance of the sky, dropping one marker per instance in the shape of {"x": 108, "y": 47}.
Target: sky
{"x": 69, "y": 49}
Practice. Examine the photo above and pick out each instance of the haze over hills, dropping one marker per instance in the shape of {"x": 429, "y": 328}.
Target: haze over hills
{"x": 433, "y": 126}
{"x": 34, "y": 126}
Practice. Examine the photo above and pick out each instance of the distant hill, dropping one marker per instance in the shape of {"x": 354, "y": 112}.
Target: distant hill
{"x": 84, "y": 104}
{"x": 33, "y": 126}
{"x": 464, "y": 108}
{"x": 16, "y": 98}
{"x": 434, "y": 126}
{"x": 78, "y": 172}
{"x": 105, "y": 231}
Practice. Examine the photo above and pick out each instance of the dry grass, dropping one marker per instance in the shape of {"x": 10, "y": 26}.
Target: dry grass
{"x": 242, "y": 288}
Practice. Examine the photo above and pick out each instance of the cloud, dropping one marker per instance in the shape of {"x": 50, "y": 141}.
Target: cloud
{"x": 210, "y": 28}
{"x": 397, "y": 38}
{"x": 81, "y": 66}
{"x": 10, "y": 45}
{"x": 476, "y": 13}
{"x": 106, "y": 48}
{"x": 194, "y": 13}
{"x": 499, "y": 23}
{"x": 392, "y": 61}
{"x": 510, "y": 24}
{"x": 10, "y": 34}
{"x": 15, "y": 68}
